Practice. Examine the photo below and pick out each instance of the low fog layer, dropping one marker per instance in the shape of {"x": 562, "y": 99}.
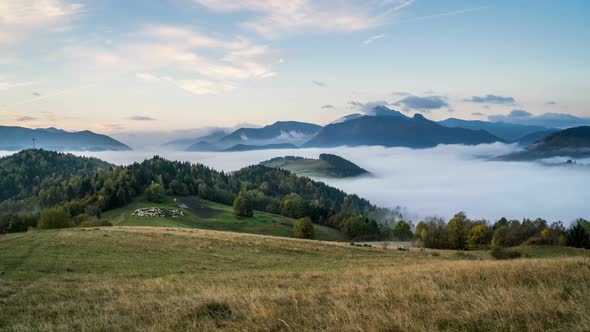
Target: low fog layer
{"x": 439, "y": 181}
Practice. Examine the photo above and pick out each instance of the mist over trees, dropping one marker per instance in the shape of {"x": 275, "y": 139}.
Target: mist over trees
{"x": 52, "y": 190}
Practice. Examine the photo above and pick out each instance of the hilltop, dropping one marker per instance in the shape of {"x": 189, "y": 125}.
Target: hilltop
{"x": 571, "y": 142}
{"x": 19, "y": 138}
{"x": 327, "y": 165}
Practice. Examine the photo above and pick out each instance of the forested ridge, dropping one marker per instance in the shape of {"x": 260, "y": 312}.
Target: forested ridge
{"x": 39, "y": 179}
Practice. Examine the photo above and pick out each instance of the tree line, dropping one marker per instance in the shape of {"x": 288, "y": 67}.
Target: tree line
{"x": 85, "y": 187}
{"x": 463, "y": 233}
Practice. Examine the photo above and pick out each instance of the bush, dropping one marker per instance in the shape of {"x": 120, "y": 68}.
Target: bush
{"x": 218, "y": 310}
{"x": 303, "y": 229}
{"x": 12, "y": 223}
{"x": 577, "y": 235}
{"x": 501, "y": 253}
{"x": 243, "y": 206}
{"x": 155, "y": 193}
{"x": 54, "y": 218}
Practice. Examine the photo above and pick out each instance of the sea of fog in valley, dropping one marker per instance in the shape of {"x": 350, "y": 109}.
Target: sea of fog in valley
{"x": 439, "y": 181}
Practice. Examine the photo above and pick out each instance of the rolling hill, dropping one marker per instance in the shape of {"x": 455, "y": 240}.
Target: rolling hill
{"x": 19, "y": 138}
{"x": 327, "y": 165}
{"x": 571, "y": 142}
{"x": 204, "y": 214}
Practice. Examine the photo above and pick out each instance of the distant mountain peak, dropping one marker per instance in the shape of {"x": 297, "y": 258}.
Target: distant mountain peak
{"x": 19, "y": 138}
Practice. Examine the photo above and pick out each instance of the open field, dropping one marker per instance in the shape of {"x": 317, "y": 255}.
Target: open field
{"x": 160, "y": 279}
{"x": 210, "y": 215}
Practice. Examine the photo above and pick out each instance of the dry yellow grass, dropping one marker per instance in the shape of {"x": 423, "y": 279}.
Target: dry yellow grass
{"x": 275, "y": 284}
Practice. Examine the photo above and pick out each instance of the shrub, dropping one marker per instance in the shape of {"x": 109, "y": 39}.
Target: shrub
{"x": 88, "y": 223}
{"x": 578, "y": 236}
{"x": 243, "y": 206}
{"x": 54, "y": 218}
{"x": 501, "y": 253}
{"x": 218, "y": 310}
{"x": 303, "y": 229}
{"x": 155, "y": 193}
{"x": 12, "y": 223}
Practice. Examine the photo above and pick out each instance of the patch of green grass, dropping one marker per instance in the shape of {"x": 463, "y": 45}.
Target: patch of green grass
{"x": 210, "y": 215}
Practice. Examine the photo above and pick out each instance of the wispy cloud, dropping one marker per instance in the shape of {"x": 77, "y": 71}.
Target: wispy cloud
{"x": 10, "y": 85}
{"x": 318, "y": 83}
{"x": 492, "y": 99}
{"x": 275, "y": 17}
{"x": 372, "y": 39}
{"x": 550, "y": 120}
{"x": 25, "y": 119}
{"x": 368, "y": 106}
{"x": 141, "y": 118}
{"x": 20, "y": 18}
{"x": 423, "y": 104}
{"x": 195, "y": 87}
{"x": 51, "y": 95}
{"x": 328, "y": 107}
{"x": 207, "y": 64}
{"x": 444, "y": 14}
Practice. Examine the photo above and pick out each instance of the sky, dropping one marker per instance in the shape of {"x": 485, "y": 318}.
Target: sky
{"x": 137, "y": 66}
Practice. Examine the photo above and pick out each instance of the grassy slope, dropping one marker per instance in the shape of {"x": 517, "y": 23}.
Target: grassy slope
{"x": 209, "y": 215}
{"x": 307, "y": 167}
{"x": 161, "y": 279}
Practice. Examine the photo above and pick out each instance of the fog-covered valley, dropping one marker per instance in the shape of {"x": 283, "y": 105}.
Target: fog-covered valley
{"x": 439, "y": 181}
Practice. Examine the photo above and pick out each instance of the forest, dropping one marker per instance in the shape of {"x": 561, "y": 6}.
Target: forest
{"x": 54, "y": 190}
{"x": 39, "y": 180}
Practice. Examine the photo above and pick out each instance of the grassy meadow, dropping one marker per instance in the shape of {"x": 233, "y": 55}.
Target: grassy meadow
{"x": 163, "y": 278}
{"x": 205, "y": 214}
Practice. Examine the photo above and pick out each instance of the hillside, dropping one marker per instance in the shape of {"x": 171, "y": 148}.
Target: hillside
{"x": 19, "y": 138}
{"x": 327, "y": 165}
{"x": 534, "y": 137}
{"x": 27, "y": 172}
{"x": 165, "y": 279}
{"x": 292, "y": 132}
{"x": 203, "y": 214}
{"x": 87, "y": 195}
{"x": 389, "y": 131}
{"x": 571, "y": 142}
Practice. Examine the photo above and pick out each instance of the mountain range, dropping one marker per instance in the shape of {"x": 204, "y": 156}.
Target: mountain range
{"x": 396, "y": 130}
{"x": 281, "y": 134}
{"x": 379, "y": 126}
{"x": 19, "y": 138}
